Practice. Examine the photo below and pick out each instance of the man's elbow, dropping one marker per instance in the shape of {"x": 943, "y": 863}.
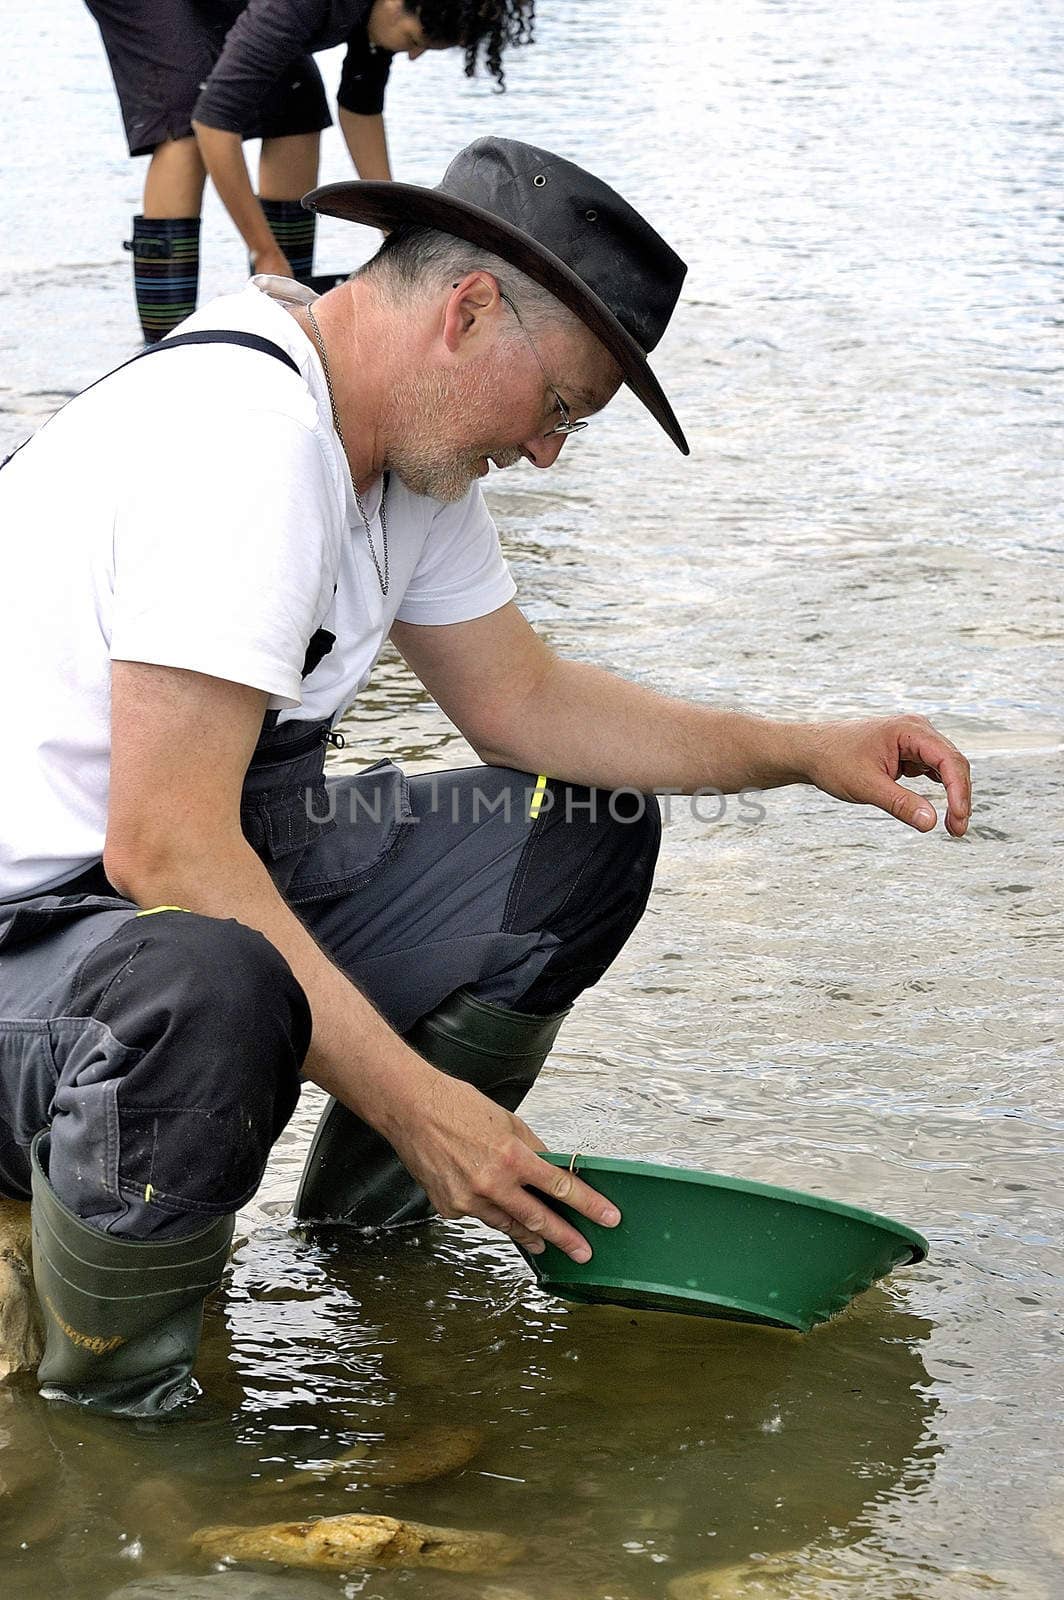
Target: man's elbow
{"x": 134, "y": 866}
{"x": 154, "y": 866}
{"x": 483, "y": 747}
{"x": 511, "y": 732}
{"x": 490, "y": 742}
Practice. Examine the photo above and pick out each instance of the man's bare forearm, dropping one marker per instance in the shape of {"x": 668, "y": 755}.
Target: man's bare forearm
{"x": 354, "y": 1054}
{"x": 588, "y": 726}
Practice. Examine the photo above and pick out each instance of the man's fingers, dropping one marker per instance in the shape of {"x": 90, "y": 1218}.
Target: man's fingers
{"x": 918, "y": 750}
{"x": 535, "y": 1225}
{"x": 540, "y": 1219}
{"x": 955, "y": 775}
{"x": 907, "y": 807}
{"x": 538, "y": 1216}
{"x": 862, "y": 761}
{"x": 491, "y": 1168}
{"x": 496, "y": 1218}
{"x": 527, "y": 1216}
{"x": 929, "y": 752}
{"x": 572, "y": 1191}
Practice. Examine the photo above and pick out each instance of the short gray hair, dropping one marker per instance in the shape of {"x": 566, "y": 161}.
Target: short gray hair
{"x": 415, "y": 261}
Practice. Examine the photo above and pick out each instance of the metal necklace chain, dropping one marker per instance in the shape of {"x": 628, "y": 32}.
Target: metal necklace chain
{"x": 382, "y": 572}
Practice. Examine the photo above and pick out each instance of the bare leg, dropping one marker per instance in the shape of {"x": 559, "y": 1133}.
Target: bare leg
{"x": 288, "y": 167}
{"x": 174, "y": 184}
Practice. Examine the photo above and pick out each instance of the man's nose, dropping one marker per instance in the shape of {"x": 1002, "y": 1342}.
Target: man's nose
{"x": 543, "y": 452}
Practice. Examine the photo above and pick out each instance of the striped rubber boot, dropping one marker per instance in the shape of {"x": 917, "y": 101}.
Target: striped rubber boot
{"x": 293, "y": 229}
{"x": 165, "y": 271}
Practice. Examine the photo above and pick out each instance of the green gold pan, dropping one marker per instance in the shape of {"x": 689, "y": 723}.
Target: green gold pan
{"x": 722, "y": 1247}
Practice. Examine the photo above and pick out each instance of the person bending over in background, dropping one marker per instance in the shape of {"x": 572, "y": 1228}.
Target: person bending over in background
{"x": 197, "y": 77}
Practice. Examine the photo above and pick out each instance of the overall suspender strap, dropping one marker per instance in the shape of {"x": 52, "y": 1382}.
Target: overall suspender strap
{"x": 250, "y": 341}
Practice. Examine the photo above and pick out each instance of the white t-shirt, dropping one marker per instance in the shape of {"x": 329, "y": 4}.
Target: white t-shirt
{"x": 195, "y": 510}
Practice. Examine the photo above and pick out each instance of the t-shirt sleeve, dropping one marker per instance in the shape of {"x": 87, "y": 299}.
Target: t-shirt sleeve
{"x": 226, "y": 565}
{"x": 363, "y": 76}
{"x": 266, "y": 38}
{"x": 462, "y": 572}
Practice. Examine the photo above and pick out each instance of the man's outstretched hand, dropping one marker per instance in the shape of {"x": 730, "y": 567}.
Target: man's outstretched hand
{"x": 861, "y": 762}
{"x": 473, "y": 1159}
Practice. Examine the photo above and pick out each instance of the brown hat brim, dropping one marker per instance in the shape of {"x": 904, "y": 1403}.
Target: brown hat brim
{"x": 392, "y": 205}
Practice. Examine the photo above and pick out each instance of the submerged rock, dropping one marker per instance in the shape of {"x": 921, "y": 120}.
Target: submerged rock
{"x": 771, "y": 1580}
{"x": 806, "y": 1574}
{"x": 338, "y": 1543}
{"x": 224, "y": 1586}
{"x": 826, "y": 1575}
{"x": 1050, "y": 1523}
{"x": 21, "y": 1343}
{"x": 22, "y": 1469}
{"x": 432, "y": 1453}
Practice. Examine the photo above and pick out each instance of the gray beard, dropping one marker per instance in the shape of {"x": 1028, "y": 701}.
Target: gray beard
{"x": 433, "y": 474}
{"x": 424, "y": 465}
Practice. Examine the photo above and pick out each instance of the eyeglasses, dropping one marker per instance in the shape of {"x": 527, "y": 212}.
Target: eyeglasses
{"x": 566, "y": 425}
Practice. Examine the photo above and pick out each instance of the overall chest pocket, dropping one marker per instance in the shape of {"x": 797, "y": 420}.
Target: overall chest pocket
{"x": 287, "y": 818}
{"x": 370, "y": 817}
{"x": 284, "y": 807}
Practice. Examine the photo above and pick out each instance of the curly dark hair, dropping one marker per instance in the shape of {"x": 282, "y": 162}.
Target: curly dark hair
{"x": 471, "y": 24}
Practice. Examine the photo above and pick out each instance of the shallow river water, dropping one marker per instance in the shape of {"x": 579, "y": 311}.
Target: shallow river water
{"x": 867, "y": 359}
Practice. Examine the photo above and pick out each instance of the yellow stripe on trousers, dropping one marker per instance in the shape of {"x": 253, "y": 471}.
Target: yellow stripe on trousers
{"x": 537, "y": 797}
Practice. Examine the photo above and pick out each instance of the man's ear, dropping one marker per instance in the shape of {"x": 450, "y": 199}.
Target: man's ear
{"x": 470, "y": 304}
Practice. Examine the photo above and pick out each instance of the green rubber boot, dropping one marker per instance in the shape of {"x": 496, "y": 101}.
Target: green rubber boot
{"x": 352, "y": 1175}
{"x": 122, "y": 1317}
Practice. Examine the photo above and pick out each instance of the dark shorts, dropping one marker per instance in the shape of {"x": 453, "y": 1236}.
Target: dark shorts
{"x": 161, "y": 53}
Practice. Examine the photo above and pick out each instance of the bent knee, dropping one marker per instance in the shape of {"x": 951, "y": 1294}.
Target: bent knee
{"x": 240, "y": 986}
{"x": 636, "y": 823}
{"x": 590, "y": 860}
{"x": 179, "y": 978}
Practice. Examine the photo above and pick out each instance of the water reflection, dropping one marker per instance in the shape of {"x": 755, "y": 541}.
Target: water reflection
{"x": 625, "y": 1447}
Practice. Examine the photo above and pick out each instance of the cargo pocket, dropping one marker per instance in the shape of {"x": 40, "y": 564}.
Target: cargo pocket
{"x": 28, "y": 1078}
{"x": 287, "y": 819}
{"x": 370, "y": 816}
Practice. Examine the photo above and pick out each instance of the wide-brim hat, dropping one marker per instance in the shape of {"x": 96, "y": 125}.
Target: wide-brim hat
{"x": 561, "y": 226}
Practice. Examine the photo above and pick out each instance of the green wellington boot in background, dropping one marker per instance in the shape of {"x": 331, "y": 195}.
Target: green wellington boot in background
{"x": 122, "y": 1317}
{"x": 353, "y": 1175}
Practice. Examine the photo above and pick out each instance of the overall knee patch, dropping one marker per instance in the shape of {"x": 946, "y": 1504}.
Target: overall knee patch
{"x": 180, "y": 1067}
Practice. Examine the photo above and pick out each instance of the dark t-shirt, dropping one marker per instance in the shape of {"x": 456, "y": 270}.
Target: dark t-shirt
{"x": 266, "y": 36}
